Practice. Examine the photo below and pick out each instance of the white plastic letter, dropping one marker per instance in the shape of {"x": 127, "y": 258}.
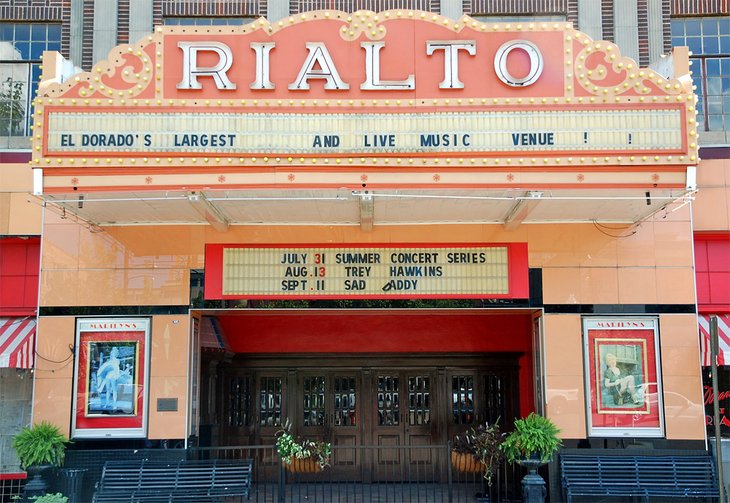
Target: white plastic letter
{"x": 536, "y": 63}
{"x": 318, "y": 55}
{"x": 372, "y": 71}
{"x": 191, "y": 71}
{"x": 451, "y": 50}
{"x": 262, "y": 50}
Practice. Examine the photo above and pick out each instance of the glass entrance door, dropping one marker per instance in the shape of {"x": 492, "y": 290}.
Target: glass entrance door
{"x": 328, "y": 405}
{"x": 271, "y": 406}
{"x": 403, "y": 404}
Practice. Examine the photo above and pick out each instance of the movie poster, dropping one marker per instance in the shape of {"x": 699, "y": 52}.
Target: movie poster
{"x": 622, "y": 377}
{"x": 110, "y": 394}
{"x": 112, "y": 378}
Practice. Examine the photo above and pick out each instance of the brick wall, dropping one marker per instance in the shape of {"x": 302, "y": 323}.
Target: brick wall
{"x": 40, "y": 10}
{"x": 31, "y": 10}
{"x": 211, "y": 8}
{"x": 123, "y": 21}
{"x": 87, "y": 44}
{"x": 521, "y": 8}
{"x": 297, "y": 6}
{"x": 700, "y": 7}
{"x": 642, "y": 20}
{"x": 572, "y": 12}
{"x": 607, "y": 20}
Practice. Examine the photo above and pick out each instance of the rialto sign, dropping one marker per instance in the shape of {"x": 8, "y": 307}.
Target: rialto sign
{"x": 319, "y": 65}
{"x": 397, "y": 88}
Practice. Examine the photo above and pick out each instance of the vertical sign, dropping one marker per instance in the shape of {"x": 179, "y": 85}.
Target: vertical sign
{"x": 622, "y": 377}
{"x": 111, "y": 369}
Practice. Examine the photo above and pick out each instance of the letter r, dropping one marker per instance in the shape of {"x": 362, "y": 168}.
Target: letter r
{"x": 191, "y": 71}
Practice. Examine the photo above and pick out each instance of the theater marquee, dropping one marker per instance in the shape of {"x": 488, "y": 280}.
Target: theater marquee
{"x": 361, "y": 134}
{"x": 366, "y": 271}
{"x": 394, "y": 90}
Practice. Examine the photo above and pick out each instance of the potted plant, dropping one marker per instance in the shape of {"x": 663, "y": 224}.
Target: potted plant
{"x": 39, "y": 447}
{"x": 478, "y": 450}
{"x": 532, "y": 444}
{"x": 534, "y": 437}
{"x": 299, "y": 454}
{"x": 50, "y": 498}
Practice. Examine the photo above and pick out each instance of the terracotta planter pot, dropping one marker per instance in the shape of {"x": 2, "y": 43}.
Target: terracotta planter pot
{"x": 465, "y": 463}
{"x": 306, "y": 465}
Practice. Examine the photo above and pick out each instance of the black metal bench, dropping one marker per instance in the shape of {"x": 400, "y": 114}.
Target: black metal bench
{"x": 169, "y": 481}
{"x": 642, "y": 476}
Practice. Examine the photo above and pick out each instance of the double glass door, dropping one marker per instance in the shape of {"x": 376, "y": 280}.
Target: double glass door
{"x": 382, "y": 421}
{"x": 403, "y": 420}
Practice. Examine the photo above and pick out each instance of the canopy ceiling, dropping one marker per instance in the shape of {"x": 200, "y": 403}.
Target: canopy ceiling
{"x": 222, "y": 208}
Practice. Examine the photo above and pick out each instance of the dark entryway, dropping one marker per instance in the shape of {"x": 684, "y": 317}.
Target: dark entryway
{"x": 371, "y": 400}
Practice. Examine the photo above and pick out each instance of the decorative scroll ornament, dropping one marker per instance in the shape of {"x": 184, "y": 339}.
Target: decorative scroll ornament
{"x": 129, "y": 72}
{"x": 601, "y": 70}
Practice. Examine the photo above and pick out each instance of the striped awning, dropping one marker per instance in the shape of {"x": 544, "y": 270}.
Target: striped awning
{"x": 17, "y": 338}
{"x": 211, "y": 335}
{"x": 723, "y": 330}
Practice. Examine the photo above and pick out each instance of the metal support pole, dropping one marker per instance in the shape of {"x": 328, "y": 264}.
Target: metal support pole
{"x": 282, "y": 483}
{"x": 449, "y": 473}
{"x": 714, "y": 348}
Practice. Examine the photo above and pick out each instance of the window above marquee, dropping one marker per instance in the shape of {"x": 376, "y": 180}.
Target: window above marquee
{"x": 21, "y": 49}
{"x": 708, "y": 39}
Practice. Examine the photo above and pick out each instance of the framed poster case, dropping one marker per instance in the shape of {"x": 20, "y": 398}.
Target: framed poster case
{"x": 111, "y": 370}
{"x": 623, "y": 377}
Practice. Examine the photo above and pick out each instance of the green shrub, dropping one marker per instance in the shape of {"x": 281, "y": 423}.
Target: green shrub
{"x": 40, "y": 444}
{"x": 533, "y": 435}
{"x": 50, "y": 498}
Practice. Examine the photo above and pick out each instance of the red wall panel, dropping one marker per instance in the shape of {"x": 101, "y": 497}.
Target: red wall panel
{"x": 19, "y": 261}
{"x": 389, "y": 332}
{"x": 712, "y": 261}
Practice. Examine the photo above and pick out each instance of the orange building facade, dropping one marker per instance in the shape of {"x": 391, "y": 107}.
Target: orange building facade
{"x": 421, "y": 204}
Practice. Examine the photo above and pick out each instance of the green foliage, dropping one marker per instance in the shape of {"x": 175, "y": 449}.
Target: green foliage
{"x": 484, "y": 444}
{"x": 290, "y": 446}
{"x": 533, "y": 435}
{"x": 50, "y": 498}
{"x": 12, "y": 109}
{"x": 40, "y": 444}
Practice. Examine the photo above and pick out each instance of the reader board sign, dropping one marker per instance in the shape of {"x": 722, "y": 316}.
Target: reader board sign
{"x": 508, "y": 132}
{"x": 366, "y": 271}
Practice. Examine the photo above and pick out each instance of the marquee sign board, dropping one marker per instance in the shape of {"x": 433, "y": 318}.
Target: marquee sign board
{"x": 398, "y": 89}
{"x": 355, "y": 134}
{"x": 366, "y": 271}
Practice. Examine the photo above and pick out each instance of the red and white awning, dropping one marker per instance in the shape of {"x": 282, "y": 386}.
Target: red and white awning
{"x": 17, "y": 339}
{"x": 723, "y": 332}
{"x": 211, "y": 335}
